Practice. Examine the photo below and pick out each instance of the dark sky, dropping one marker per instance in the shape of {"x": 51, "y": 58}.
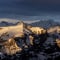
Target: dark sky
{"x": 17, "y": 8}
{"x": 29, "y": 7}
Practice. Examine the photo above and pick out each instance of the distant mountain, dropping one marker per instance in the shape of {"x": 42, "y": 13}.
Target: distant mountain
{"x": 4, "y": 23}
{"x": 42, "y": 23}
{"x": 46, "y": 23}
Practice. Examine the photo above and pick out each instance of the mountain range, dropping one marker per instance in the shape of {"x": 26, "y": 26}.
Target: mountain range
{"x": 39, "y": 40}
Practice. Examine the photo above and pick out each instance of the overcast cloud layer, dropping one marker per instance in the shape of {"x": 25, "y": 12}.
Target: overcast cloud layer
{"x": 22, "y": 9}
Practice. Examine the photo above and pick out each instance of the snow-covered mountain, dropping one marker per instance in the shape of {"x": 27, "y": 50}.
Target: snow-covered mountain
{"x": 19, "y": 30}
{"x": 30, "y": 41}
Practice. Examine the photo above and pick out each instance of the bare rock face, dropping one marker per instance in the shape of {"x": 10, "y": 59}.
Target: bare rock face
{"x": 10, "y": 47}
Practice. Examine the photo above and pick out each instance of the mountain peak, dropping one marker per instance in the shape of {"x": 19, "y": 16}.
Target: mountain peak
{"x": 21, "y": 22}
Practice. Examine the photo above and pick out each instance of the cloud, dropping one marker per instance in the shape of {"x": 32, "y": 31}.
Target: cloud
{"x": 28, "y": 7}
